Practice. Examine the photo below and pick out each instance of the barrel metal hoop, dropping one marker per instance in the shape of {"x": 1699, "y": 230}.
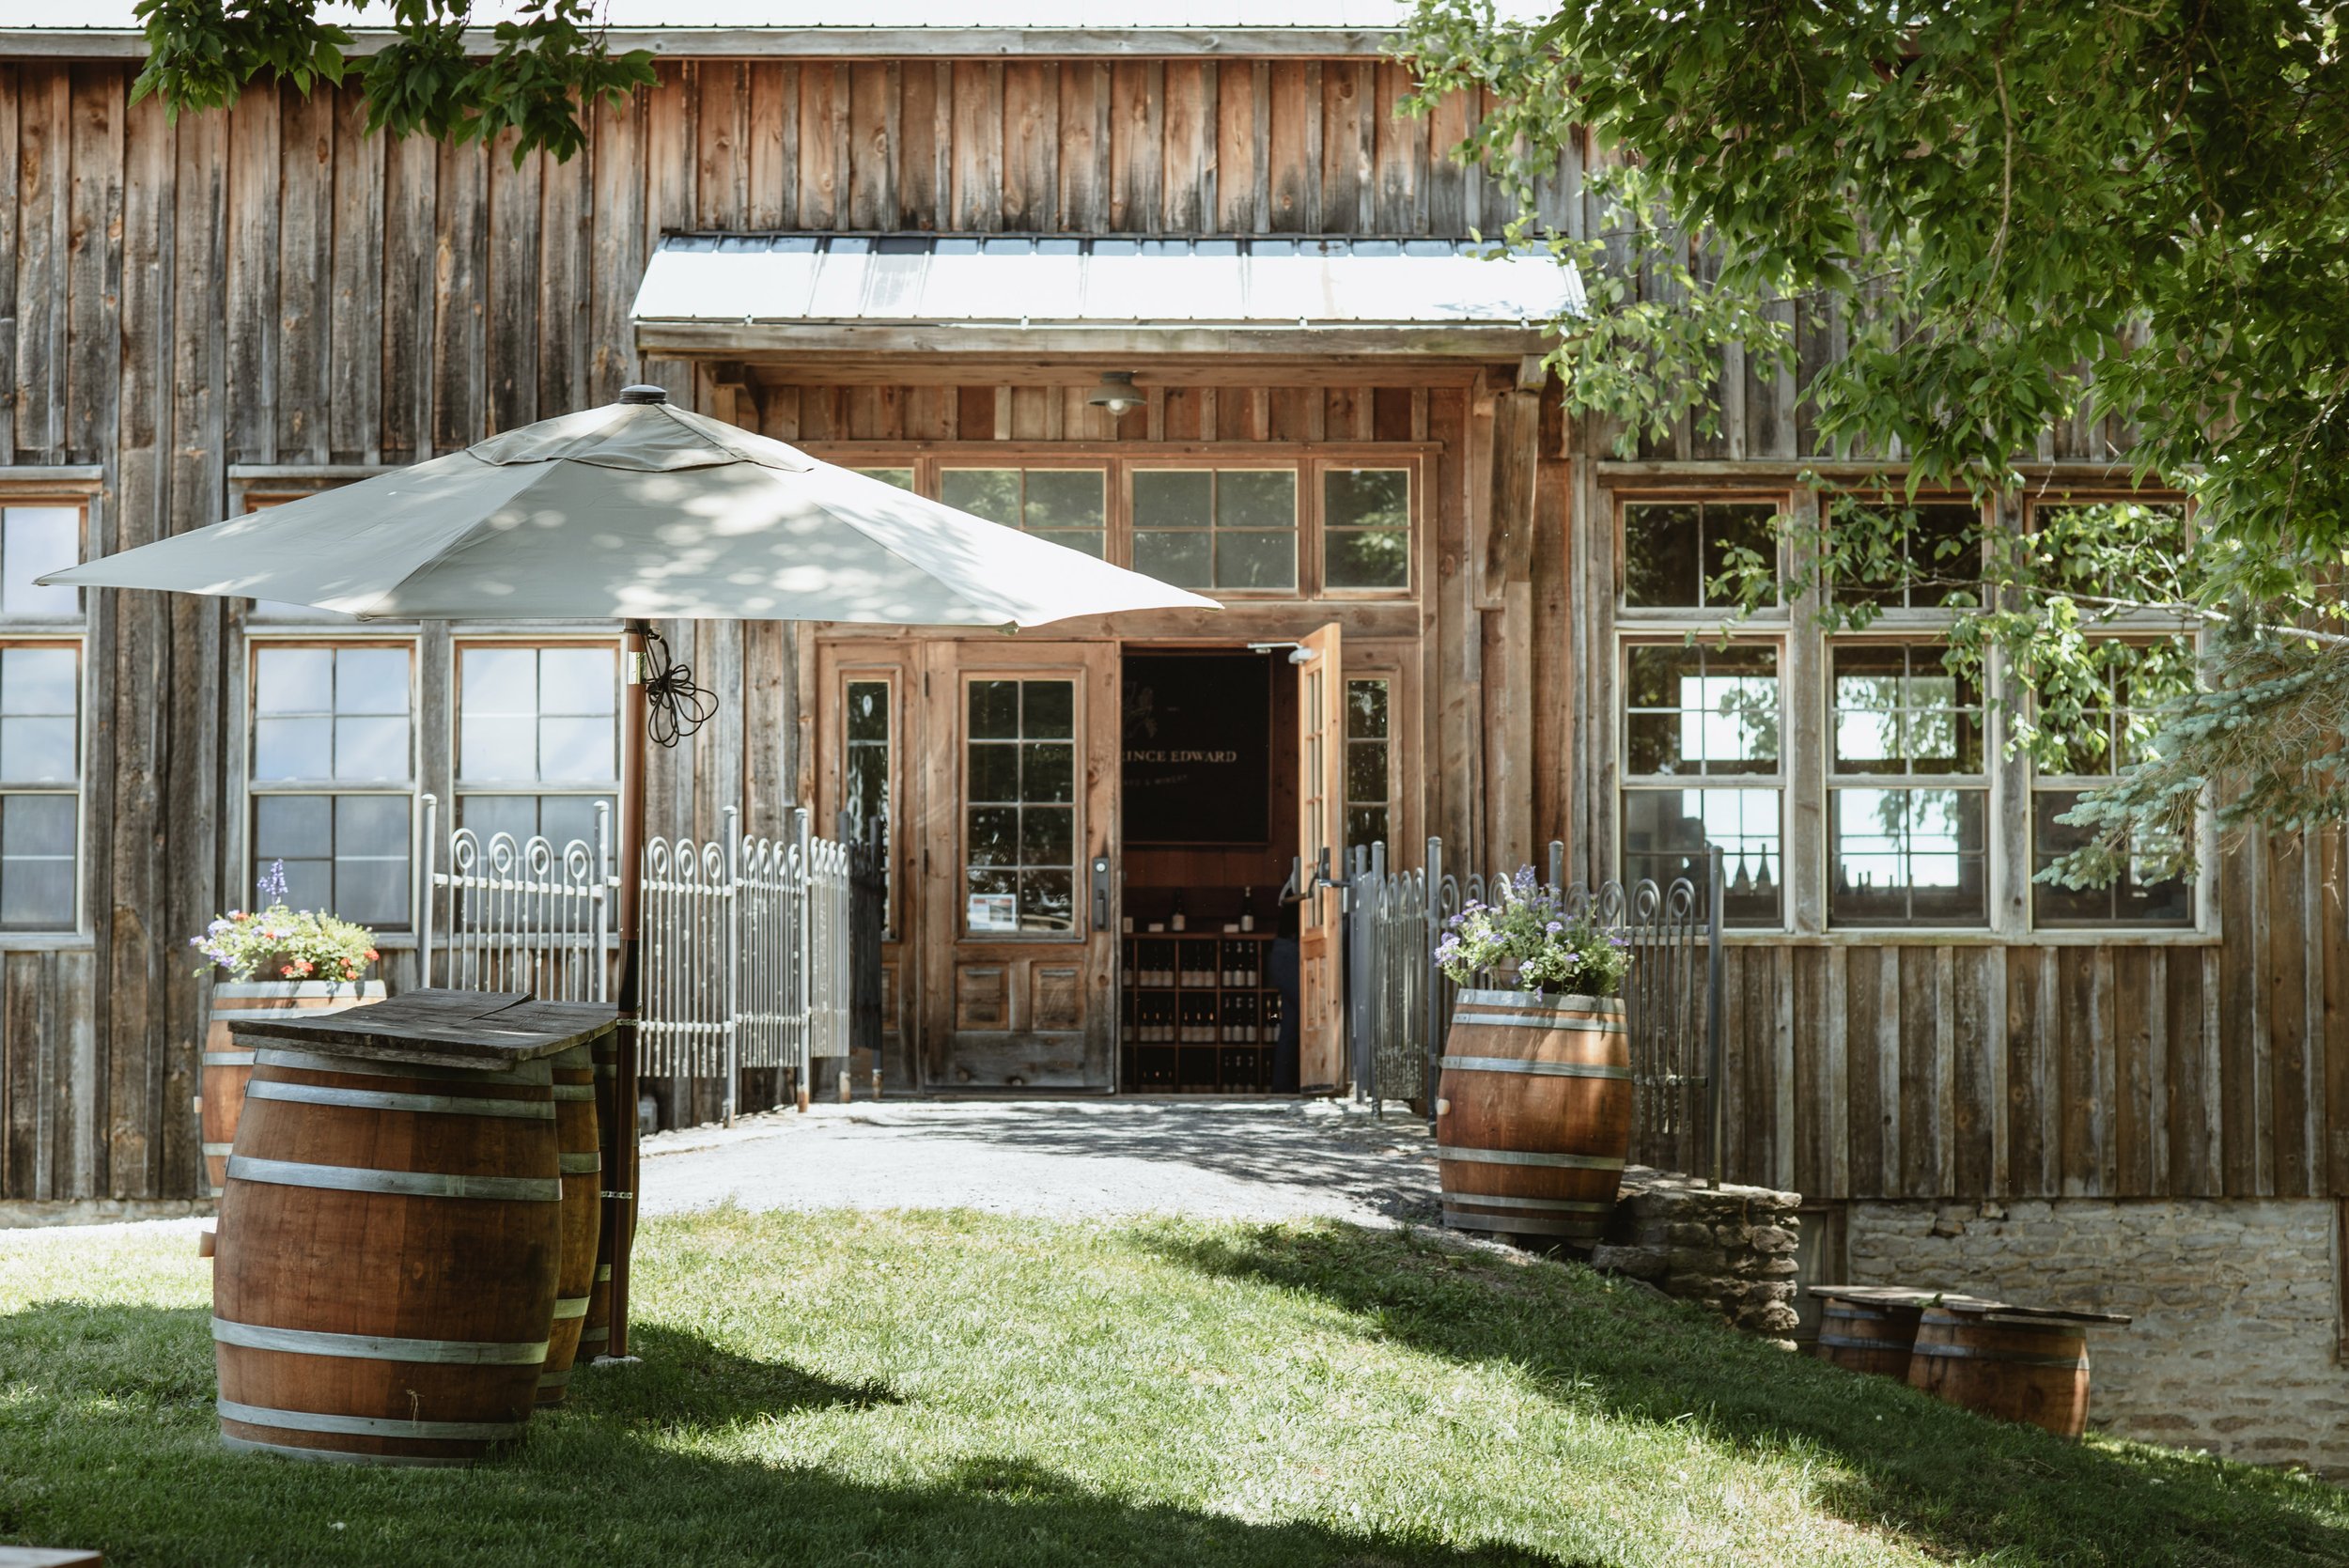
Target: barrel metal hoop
{"x": 557, "y": 1379}
{"x": 1540, "y": 999}
{"x": 388, "y": 1099}
{"x": 218, "y": 1148}
{"x": 413, "y": 1184}
{"x": 1526, "y": 1157}
{"x": 568, "y": 1307}
{"x": 574, "y": 1091}
{"x": 366, "y": 1426}
{"x": 1850, "y": 1342}
{"x": 1524, "y": 1021}
{"x": 587, "y": 1164}
{"x": 594, "y": 1336}
{"x": 522, "y": 1074}
{"x": 344, "y": 1456}
{"x": 228, "y": 1059}
{"x": 1563, "y": 1205}
{"x": 1517, "y": 1224}
{"x": 1534, "y": 1069}
{"x": 1975, "y": 1352}
{"x": 373, "y": 1347}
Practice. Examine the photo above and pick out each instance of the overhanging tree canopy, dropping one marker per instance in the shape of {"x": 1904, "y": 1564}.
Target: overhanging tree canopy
{"x": 2023, "y": 213}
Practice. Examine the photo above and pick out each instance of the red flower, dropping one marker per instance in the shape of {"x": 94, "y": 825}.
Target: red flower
{"x": 373, "y": 956}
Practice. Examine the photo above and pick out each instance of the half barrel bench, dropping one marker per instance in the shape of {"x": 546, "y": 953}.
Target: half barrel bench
{"x": 2012, "y": 1362}
{"x": 409, "y": 1234}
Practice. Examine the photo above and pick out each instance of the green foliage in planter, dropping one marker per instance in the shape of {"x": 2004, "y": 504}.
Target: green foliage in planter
{"x": 275, "y": 942}
{"x": 1531, "y": 931}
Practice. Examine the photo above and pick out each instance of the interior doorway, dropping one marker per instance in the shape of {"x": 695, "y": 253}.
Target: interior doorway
{"x": 1210, "y": 815}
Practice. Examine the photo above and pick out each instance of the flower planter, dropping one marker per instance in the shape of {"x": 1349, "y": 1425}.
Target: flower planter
{"x": 226, "y": 1068}
{"x": 1534, "y": 1114}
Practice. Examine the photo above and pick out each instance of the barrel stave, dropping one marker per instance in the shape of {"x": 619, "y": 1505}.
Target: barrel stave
{"x": 1534, "y": 1114}
{"x": 2027, "y": 1370}
{"x": 577, "y": 1133}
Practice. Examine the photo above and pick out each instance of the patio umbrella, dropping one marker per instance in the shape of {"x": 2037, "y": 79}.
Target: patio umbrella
{"x": 631, "y": 512}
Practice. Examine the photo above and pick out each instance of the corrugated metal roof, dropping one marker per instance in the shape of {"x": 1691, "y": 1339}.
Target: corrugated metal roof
{"x": 954, "y": 15}
{"x": 1067, "y": 281}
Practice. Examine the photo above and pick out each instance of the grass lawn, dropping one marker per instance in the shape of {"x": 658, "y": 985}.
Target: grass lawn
{"x": 954, "y": 1389}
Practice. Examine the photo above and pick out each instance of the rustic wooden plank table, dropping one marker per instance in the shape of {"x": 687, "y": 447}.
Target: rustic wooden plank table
{"x": 438, "y": 1028}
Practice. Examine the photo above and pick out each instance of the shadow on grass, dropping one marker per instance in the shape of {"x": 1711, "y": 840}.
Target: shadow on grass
{"x": 108, "y": 1440}
{"x": 1952, "y": 1482}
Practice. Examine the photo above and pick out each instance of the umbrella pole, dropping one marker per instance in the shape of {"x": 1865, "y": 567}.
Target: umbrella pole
{"x": 634, "y": 717}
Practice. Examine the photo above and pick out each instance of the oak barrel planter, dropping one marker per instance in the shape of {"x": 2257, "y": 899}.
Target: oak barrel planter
{"x": 390, "y": 1246}
{"x": 1868, "y": 1330}
{"x": 2008, "y": 1364}
{"x": 1534, "y": 1114}
{"x": 221, "y": 1091}
{"x": 579, "y": 1149}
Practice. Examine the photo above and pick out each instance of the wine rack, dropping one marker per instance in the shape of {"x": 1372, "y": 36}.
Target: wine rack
{"x": 1201, "y": 1014}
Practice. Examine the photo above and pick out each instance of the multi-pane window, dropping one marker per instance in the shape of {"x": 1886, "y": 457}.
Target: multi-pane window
{"x": 333, "y": 775}
{"x": 1674, "y": 552}
{"x": 1067, "y": 505}
{"x": 2112, "y": 735}
{"x": 40, "y": 776}
{"x": 537, "y": 738}
{"x": 1908, "y": 803}
{"x": 1369, "y": 779}
{"x": 2090, "y": 543}
{"x": 1230, "y": 528}
{"x": 1366, "y": 528}
{"x": 1935, "y": 565}
{"x": 865, "y": 742}
{"x": 40, "y": 720}
{"x": 1019, "y": 827}
{"x": 1702, "y": 769}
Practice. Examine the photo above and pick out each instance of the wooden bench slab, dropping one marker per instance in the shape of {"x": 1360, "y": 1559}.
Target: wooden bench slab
{"x": 435, "y": 1028}
{"x": 1911, "y": 1295}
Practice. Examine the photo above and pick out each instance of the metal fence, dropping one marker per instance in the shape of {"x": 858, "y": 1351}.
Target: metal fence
{"x": 1398, "y": 1001}
{"x": 751, "y": 952}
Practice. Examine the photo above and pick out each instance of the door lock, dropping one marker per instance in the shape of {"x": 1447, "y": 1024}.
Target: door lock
{"x": 1100, "y": 893}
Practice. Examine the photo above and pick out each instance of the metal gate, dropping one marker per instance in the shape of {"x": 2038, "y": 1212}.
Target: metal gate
{"x": 1398, "y": 1001}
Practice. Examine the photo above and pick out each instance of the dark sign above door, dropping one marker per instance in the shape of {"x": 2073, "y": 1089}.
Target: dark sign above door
{"x": 1198, "y": 748}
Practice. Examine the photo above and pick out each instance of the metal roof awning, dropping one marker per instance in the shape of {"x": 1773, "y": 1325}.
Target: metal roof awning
{"x": 738, "y": 296}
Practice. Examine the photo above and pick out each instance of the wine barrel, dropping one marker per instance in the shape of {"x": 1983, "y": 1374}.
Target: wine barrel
{"x": 221, "y": 1091}
{"x": 575, "y": 1134}
{"x": 595, "y": 1334}
{"x": 389, "y": 1249}
{"x": 1534, "y": 1114}
{"x": 1868, "y": 1333}
{"x": 2007, "y": 1365}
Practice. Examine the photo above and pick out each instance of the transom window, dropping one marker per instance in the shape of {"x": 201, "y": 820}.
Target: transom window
{"x": 34, "y": 541}
{"x": 1701, "y": 768}
{"x": 1019, "y": 824}
{"x": 333, "y": 775}
{"x": 1232, "y": 528}
{"x": 1366, "y": 527}
{"x": 1937, "y": 565}
{"x": 1675, "y": 550}
{"x": 538, "y": 737}
{"x": 1067, "y": 505}
{"x": 1908, "y": 805}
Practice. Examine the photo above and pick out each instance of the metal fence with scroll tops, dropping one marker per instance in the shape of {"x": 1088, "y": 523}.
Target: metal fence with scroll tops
{"x": 1399, "y": 1001}
{"x": 508, "y": 915}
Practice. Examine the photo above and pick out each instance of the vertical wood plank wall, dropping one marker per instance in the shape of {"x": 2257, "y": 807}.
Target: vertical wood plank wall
{"x": 268, "y": 286}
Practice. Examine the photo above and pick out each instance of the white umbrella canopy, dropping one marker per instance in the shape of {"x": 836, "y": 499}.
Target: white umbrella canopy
{"x": 637, "y": 510}
{"x": 634, "y": 512}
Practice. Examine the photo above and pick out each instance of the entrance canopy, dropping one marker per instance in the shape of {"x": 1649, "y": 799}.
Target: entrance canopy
{"x": 800, "y": 293}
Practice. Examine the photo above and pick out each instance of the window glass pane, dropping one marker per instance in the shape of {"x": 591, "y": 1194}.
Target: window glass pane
{"x": 292, "y": 828}
{"x": 292, "y": 749}
{"x": 34, "y": 541}
{"x": 992, "y": 493}
{"x": 1367, "y": 825}
{"x": 1255, "y": 497}
{"x": 1180, "y": 559}
{"x": 1909, "y": 857}
{"x": 869, "y": 710}
{"x": 1353, "y": 559}
{"x": 1083, "y": 544}
{"x": 994, "y": 838}
{"x": 498, "y": 681}
{"x": 1898, "y": 710}
{"x": 1729, "y": 528}
{"x": 496, "y": 747}
{"x": 1365, "y": 709}
{"x": 293, "y": 680}
{"x": 901, "y": 477}
{"x": 1173, "y": 498}
{"x": 370, "y": 749}
{"x": 563, "y": 819}
{"x": 1255, "y": 560}
{"x": 2137, "y": 896}
{"x": 579, "y": 749}
{"x": 45, "y": 681}
{"x": 1047, "y": 708}
{"x": 1048, "y": 901}
{"x": 1047, "y": 772}
{"x": 1048, "y": 835}
{"x": 1667, "y": 833}
{"x": 1702, "y": 710}
{"x": 37, "y": 863}
{"x": 488, "y": 815}
{"x": 1019, "y": 824}
{"x": 578, "y": 680}
{"x": 994, "y": 773}
{"x": 1662, "y": 557}
{"x": 371, "y": 680}
{"x": 1366, "y": 498}
{"x": 1366, "y": 770}
{"x": 1067, "y": 499}
{"x": 994, "y": 709}
{"x": 39, "y": 705}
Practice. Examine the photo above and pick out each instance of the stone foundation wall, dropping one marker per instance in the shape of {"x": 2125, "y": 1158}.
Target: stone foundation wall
{"x": 2235, "y": 1346}
{"x": 1728, "y": 1248}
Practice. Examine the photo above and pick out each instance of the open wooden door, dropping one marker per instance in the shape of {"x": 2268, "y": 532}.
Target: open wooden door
{"x": 1321, "y": 841}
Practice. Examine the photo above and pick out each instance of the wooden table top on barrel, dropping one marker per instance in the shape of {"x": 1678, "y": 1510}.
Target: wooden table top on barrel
{"x": 1911, "y": 1295}
{"x": 438, "y": 1028}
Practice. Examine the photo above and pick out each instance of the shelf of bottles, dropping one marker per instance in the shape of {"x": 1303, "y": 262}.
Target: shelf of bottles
{"x": 1201, "y": 1014}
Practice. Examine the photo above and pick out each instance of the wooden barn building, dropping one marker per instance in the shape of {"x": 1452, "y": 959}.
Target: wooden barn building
{"x": 1196, "y": 299}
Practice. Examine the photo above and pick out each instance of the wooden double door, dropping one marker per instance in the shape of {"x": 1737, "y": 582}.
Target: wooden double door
{"x": 997, "y": 762}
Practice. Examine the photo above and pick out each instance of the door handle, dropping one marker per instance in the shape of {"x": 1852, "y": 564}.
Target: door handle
{"x": 1100, "y": 893}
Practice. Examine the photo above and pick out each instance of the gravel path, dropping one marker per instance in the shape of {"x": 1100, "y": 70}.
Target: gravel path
{"x": 1061, "y": 1160}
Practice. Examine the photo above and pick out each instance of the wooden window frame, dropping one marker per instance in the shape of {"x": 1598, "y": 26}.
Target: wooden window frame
{"x": 73, "y": 631}
{"x": 1984, "y": 781}
{"x": 1079, "y": 931}
{"x": 1683, "y": 616}
{"x": 892, "y": 782}
{"x": 1309, "y": 461}
{"x": 972, "y": 462}
{"x": 1775, "y": 782}
{"x": 1906, "y": 617}
{"x": 459, "y": 789}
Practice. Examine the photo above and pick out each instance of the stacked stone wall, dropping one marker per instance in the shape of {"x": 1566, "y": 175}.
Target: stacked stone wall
{"x": 1730, "y": 1249}
{"x": 2236, "y": 1342}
